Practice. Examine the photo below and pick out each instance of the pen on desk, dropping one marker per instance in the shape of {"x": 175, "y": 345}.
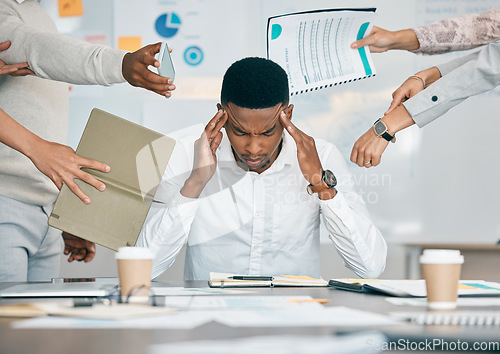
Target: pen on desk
{"x": 251, "y": 277}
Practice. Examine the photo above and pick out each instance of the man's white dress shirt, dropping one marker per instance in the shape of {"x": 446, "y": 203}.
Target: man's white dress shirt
{"x": 250, "y": 223}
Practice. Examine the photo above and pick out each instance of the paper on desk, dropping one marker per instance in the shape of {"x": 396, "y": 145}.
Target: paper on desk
{"x": 240, "y": 302}
{"x": 284, "y": 317}
{"x": 463, "y": 301}
{"x": 66, "y": 308}
{"x": 110, "y": 312}
{"x": 417, "y": 288}
{"x": 360, "y": 342}
{"x": 325, "y": 316}
{"x": 21, "y": 310}
{"x": 180, "y": 291}
{"x": 178, "y": 320}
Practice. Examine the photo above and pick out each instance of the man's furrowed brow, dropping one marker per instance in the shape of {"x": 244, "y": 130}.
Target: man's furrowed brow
{"x": 270, "y": 130}
{"x": 235, "y": 127}
{"x": 232, "y": 117}
{"x": 242, "y": 131}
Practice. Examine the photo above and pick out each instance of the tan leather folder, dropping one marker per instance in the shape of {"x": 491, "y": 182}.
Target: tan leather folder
{"x": 138, "y": 158}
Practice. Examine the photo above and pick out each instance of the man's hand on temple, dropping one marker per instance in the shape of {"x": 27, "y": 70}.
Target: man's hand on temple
{"x": 205, "y": 158}
{"x": 307, "y": 154}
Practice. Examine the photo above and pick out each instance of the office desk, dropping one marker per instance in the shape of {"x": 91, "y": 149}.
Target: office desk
{"x": 125, "y": 341}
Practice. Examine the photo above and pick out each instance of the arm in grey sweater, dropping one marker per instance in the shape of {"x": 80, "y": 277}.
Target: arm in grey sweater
{"x": 57, "y": 57}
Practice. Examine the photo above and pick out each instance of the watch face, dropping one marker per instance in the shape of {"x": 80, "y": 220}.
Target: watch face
{"x": 380, "y": 128}
{"x": 329, "y": 178}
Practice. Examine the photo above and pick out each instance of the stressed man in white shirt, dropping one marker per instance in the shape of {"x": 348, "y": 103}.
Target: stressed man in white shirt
{"x": 247, "y": 195}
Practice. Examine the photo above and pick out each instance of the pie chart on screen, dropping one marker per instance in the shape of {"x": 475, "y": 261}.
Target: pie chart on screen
{"x": 167, "y": 24}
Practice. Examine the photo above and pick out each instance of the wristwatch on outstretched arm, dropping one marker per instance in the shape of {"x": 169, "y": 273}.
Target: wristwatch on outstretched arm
{"x": 381, "y": 130}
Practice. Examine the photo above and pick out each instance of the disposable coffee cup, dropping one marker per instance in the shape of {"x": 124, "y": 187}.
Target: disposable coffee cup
{"x": 134, "y": 272}
{"x": 441, "y": 271}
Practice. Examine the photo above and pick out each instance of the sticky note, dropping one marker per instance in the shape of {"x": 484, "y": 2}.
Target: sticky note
{"x": 129, "y": 43}
{"x": 70, "y": 8}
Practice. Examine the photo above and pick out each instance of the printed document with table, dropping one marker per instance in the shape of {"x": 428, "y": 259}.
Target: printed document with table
{"x": 314, "y": 47}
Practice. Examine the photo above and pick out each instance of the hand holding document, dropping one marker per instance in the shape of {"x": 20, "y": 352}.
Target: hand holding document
{"x": 314, "y": 47}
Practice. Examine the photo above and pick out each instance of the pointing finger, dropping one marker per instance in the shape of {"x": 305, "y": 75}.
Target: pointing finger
{"x": 398, "y": 98}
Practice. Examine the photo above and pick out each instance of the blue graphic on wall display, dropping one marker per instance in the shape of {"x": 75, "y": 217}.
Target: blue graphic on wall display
{"x": 167, "y": 25}
{"x": 276, "y": 31}
{"x": 193, "y": 55}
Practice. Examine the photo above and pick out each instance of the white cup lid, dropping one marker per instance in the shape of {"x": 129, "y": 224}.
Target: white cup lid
{"x": 134, "y": 253}
{"x": 441, "y": 257}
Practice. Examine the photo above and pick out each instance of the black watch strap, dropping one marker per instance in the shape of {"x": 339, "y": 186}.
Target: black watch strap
{"x": 387, "y": 136}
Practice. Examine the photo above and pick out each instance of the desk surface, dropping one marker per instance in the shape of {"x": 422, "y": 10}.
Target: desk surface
{"x": 124, "y": 341}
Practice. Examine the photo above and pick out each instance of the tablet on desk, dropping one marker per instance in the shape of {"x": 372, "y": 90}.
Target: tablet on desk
{"x": 87, "y": 289}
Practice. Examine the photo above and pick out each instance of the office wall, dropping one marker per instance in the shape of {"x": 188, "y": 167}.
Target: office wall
{"x": 437, "y": 184}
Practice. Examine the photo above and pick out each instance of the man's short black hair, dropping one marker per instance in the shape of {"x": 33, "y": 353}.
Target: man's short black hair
{"x": 255, "y": 83}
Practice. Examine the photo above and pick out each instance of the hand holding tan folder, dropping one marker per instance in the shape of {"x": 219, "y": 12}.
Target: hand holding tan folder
{"x": 138, "y": 157}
